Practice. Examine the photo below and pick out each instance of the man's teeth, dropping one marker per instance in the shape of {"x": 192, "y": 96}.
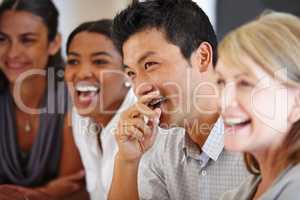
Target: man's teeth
{"x": 235, "y": 121}
{"x": 87, "y": 88}
{"x": 157, "y": 101}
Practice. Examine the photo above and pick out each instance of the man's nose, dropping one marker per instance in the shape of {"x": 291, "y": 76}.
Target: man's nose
{"x": 144, "y": 88}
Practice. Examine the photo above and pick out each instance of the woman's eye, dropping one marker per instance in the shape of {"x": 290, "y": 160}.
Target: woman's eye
{"x": 149, "y": 64}
{"x": 244, "y": 83}
{"x": 2, "y": 39}
{"x": 72, "y": 62}
{"x": 100, "y": 62}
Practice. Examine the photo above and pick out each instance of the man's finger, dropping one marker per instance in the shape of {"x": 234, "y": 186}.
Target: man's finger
{"x": 133, "y": 133}
{"x": 138, "y": 123}
{"x": 154, "y": 120}
{"x": 144, "y": 110}
{"x": 149, "y": 97}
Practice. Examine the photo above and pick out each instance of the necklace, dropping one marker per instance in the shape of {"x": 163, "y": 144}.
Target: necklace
{"x": 27, "y": 126}
{"x": 25, "y": 122}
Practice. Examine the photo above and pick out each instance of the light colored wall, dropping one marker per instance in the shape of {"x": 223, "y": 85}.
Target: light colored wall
{"x": 74, "y": 12}
{"x": 209, "y": 7}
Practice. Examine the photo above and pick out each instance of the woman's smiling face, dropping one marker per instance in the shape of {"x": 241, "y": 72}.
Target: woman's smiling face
{"x": 255, "y": 107}
{"x": 93, "y": 73}
{"x": 24, "y": 43}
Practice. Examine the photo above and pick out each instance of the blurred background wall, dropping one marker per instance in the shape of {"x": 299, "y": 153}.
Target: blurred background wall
{"x": 233, "y": 13}
{"x": 74, "y": 12}
{"x": 209, "y": 7}
{"x": 224, "y": 14}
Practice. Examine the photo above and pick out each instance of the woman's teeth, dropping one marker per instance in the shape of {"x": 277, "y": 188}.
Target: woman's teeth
{"x": 89, "y": 88}
{"x": 236, "y": 121}
{"x": 86, "y": 92}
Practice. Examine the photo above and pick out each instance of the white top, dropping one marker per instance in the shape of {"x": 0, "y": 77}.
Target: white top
{"x": 98, "y": 166}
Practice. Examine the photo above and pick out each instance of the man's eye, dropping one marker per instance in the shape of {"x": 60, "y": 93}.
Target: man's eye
{"x": 221, "y": 82}
{"x": 149, "y": 64}
{"x": 27, "y": 40}
{"x": 72, "y": 62}
{"x": 130, "y": 73}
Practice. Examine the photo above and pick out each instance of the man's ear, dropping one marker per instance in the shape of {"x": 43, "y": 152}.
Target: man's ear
{"x": 202, "y": 57}
{"x": 295, "y": 113}
{"x": 55, "y": 45}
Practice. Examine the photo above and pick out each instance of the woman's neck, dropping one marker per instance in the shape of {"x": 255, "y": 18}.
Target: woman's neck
{"x": 104, "y": 118}
{"x": 29, "y": 92}
{"x": 269, "y": 170}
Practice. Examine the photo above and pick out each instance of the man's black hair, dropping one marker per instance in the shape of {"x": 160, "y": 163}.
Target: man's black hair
{"x": 183, "y": 22}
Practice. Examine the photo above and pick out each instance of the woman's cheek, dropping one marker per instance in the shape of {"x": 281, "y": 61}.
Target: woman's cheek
{"x": 269, "y": 107}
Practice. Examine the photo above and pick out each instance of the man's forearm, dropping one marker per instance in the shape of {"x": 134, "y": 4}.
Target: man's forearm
{"x": 124, "y": 184}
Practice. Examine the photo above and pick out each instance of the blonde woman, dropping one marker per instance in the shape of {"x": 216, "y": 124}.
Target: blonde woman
{"x": 259, "y": 77}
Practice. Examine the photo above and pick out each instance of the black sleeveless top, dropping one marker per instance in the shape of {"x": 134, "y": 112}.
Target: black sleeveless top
{"x": 41, "y": 164}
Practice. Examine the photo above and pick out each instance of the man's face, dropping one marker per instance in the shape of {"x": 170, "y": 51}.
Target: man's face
{"x": 154, "y": 64}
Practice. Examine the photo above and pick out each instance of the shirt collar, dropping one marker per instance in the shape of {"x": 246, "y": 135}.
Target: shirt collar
{"x": 190, "y": 149}
{"x": 214, "y": 144}
{"x": 212, "y": 147}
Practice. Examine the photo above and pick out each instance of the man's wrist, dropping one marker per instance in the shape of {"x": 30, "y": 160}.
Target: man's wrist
{"x": 128, "y": 162}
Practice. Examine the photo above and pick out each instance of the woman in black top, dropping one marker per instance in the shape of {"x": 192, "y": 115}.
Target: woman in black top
{"x": 36, "y": 145}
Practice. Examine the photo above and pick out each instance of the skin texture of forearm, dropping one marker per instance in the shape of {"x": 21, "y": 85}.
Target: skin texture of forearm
{"x": 14, "y": 192}
{"x": 80, "y": 195}
{"x": 124, "y": 183}
{"x": 58, "y": 192}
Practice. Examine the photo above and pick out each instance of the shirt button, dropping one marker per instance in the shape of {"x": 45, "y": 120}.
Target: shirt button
{"x": 203, "y": 172}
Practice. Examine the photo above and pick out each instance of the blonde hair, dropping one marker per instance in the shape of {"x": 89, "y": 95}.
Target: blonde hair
{"x": 272, "y": 41}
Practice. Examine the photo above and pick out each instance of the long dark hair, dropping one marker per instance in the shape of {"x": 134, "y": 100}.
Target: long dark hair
{"x": 44, "y": 9}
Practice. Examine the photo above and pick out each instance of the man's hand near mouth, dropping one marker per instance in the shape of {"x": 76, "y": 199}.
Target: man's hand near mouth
{"x": 134, "y": 136}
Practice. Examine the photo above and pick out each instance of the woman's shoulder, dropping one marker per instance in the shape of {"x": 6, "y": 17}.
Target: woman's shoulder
{"x": 287, "y": 185}
{"x": 245, "y": 191}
